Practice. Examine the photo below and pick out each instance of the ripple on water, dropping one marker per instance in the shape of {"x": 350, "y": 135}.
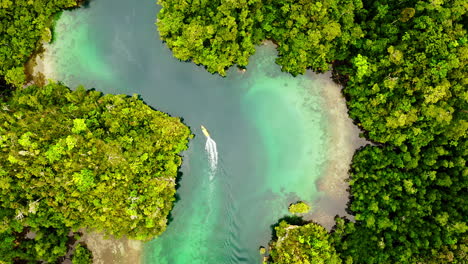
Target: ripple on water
{"x": 279, "y": 138}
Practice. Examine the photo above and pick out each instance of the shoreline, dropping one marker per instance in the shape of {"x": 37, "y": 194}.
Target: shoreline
{"x": 112, "y": 250}
{"x": 343, "y": 140}
{"x": 39, "y": 67}
{"x": 342, "y": 137}
{"x": 105, "y": 249}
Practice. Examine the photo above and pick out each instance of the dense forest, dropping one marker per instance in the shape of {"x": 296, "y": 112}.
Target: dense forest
{"x": 219, "y": 34}
{"x": 302, "y": 244}
{"x": 75, "y": 160}
{"x": 80, "y": 159}
{"x": 403, "y": 65}
{"x": 23, "y": 24}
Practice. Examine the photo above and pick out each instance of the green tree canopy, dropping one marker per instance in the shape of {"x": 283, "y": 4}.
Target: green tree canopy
{"x": 307, "y": 244}
{"x": 311, "y": 34}
{"x": 82, "y": 255}
{"x": 299, "y": 208}
{"x": 407, "y": 90}
{"x": 81, "y": 159}
{"x": 407, "y": 207}
{"x": 219, "y": 34}
{"x": 23, "y": 23}
{"x": 216, "y": 33}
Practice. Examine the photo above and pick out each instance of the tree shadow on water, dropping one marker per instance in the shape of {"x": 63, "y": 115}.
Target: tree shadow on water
{"x": 178, "y": 178}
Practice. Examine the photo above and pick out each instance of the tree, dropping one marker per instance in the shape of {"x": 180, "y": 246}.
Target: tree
{"x": 299, "y": 208}
{"x": 22, "y": 25}
{"x": 219, "y": 34}
{"x": 80, "y": 159}
{"x": 304, "y": 244}
{"x": 216, "y": 34}
{"x": 82, "y": 255}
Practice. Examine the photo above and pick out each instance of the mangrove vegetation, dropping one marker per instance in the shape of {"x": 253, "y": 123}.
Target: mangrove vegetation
{"x": 23, "y": 24}
{"x": 403, "y": 66}
{"x": 81, "y": 159}
{"x": 74, "y": 160}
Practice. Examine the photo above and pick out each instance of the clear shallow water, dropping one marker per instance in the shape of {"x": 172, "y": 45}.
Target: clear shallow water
{"x": 270, "y": 129}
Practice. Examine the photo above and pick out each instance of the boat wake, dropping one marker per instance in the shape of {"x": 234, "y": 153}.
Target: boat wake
{"x": 212, "y": 152}
{"x": 210, "y": 148}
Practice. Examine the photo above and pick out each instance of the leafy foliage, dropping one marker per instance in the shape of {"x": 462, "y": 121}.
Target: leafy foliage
{"x": 405, "y": 210}
{"x": 408, "y": 81}
{"x": 305, "y": 244}
{"x": 47, "y": 241}
{"x": 299, "y": 208}
{"x": 83, "y": 160}
{"x": 82, "y": 255}
{"x": 22, "y": 24}
{"x": 219, "y": 34}
{"x": 404, "y": 67}
{"x": 216, "y": 33}
{"x": 407, "y": 89}
{"x": 311, "y": 34}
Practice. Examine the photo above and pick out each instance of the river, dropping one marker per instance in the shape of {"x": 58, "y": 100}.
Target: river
{"x": 279, "y": 139}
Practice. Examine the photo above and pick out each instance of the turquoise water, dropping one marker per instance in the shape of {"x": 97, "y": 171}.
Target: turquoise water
{"x": 270, "y": 129}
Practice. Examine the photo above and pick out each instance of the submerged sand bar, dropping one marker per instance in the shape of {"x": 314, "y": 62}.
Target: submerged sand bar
{"x": 280, "y": 139}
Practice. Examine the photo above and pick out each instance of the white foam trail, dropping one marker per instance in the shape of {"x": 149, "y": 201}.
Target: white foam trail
{"x": 212, "y": 151}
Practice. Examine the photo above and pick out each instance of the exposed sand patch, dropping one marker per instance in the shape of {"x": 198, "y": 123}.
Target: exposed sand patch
{"x": 105, "y": 251}
{"x": 111, "y": 250}
{"x": 343, "y": 139}
{"x": 43, "y": 66}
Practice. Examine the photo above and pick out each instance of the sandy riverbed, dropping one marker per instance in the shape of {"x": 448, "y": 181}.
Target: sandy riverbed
{"x": 106, "y": 250}
{"x": 111, "y": 250}
{"x": 343, "y": 139}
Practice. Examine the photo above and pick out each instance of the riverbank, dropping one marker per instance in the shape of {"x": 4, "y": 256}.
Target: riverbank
{"x": 343, "y": 140}
{"x": 252, "y": 141}
{"x": 111, "y": 250}
{"x": 105, "y": 249}
{"x": 39, "y": 69}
